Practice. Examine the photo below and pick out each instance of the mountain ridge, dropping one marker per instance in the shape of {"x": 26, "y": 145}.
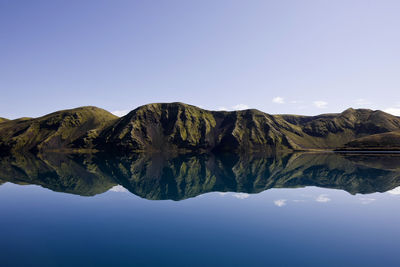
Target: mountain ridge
{"x": 185, "y": 128}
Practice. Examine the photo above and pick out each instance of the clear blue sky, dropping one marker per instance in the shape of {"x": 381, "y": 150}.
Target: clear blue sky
{"x": 303, "y": 57}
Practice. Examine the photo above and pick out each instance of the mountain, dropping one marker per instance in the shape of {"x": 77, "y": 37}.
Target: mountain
{"x": 385, "y": 141}
{"x": 184, "y": 128}
{"x": 3, "y": 120}
{"x": 328, "y": 131}
{"x": 177, "y": 126}
{"x": 55, "y": 131}
{"x": 176, "y": 177}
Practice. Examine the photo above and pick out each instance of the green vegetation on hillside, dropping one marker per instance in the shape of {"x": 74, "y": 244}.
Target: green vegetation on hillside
{"x": 181, "y": 127}
{"x": 184, "y": 128}
{"x": 384, "y": 141}
{"x": 55, "y": 131}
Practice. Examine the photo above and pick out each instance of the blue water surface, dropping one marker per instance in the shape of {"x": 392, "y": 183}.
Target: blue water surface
{"x": 279, "y": 227}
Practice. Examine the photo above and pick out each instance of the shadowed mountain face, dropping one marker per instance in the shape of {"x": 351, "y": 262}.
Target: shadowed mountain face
{"x": 184, "y": 128}
{"x": 159, "y": 176}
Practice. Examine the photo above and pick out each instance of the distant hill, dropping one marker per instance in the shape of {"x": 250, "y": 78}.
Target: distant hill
{"x": 55, "y": 131}
{"x": 182, "y": 127}
{"x": 384, "y": 141}
{"x": 3, "y": 120}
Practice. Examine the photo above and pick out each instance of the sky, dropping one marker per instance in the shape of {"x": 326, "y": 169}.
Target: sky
{"x": 296, "y": 57}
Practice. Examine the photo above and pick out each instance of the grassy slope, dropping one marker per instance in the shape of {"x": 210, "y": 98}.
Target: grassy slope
{"x": 182, "y": 127}
{"x": 334, "y": 130}
{"x": 179, "y": 126}
{"x": 384, "y": 141}
{"x": 57, "y": 130}
{"x": 158, "y": 126}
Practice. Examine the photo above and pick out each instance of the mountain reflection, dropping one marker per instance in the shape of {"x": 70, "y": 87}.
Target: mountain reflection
{"x": 177, "y": 177}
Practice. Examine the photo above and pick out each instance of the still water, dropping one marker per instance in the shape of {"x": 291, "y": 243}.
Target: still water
{"x": 200, "y": 210}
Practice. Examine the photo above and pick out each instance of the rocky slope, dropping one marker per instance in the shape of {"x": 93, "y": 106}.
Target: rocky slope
{"x": 181, "y": 127}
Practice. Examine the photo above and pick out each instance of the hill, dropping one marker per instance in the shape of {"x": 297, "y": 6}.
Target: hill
{"x": 184, "y": 128}
{"x": 328, "y": 131}
{"x": 177, "y": 126}
{"x": 58, "y": 130}
{"x": 384, "y": 141}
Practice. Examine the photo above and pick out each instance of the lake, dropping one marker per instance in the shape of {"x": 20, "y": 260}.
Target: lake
{"x": 300, "y": 209}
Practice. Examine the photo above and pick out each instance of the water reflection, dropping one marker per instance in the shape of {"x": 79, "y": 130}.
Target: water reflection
{"x": 177, "y": 177}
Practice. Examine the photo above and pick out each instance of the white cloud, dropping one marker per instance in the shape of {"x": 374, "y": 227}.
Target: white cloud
{"x": 394, "y": 191}
{"x": 361, "y": 102}
{"x": 240, "y": 107}
{"x": 120, "y": 113}
{"x": 235, "y": 107}
{"x": 280, "y": 202}
{"x": 323, "y": 198}
{"x": 278, "y": 100}
{"x": 241, "y": 195}
{"x": 393, "y": 111}
{"x": 223, "y": 193}
{"x": 366, "y": 200}
{"x": 118, "y": 188}
{"x": 320, "y": 104}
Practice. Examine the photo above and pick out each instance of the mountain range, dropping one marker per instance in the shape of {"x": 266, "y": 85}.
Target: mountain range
{"x": 185, "y": 128}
